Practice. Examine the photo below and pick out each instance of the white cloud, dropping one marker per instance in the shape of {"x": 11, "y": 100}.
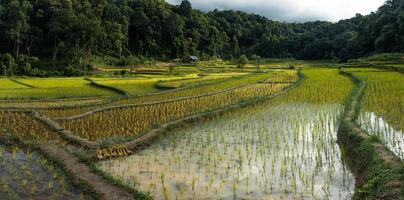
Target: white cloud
{"x": 293, "y": 10}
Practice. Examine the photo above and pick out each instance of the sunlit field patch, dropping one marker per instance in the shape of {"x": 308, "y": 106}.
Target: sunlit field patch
{"x": 53, "y": 88}
{"x": 54, "y": 82}
{"x": 138, "y": 86}
{"x": 8, "y": 84}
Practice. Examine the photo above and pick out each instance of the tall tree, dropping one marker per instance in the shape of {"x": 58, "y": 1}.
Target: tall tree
{"x": 16, "y": 22}
{"x": 185, "y": 8}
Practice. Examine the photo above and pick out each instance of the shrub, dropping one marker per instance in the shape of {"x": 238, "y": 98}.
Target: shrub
{"x": 6, "y": 64}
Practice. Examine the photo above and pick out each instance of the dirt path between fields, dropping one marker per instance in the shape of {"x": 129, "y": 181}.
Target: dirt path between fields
{"x": 82, "y": 174}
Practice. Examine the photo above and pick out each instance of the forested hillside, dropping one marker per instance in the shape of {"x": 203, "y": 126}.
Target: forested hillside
{"x": 68, "y": 35}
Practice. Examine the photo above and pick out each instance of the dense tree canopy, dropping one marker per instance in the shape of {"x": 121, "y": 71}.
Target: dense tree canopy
{"x": 68, "y": 35}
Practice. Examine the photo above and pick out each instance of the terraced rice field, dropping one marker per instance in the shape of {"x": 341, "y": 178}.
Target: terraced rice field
{"x": 139, "y": 86}
{"x": 196, "y": 81}
{"x": 74, "y": 102}
{"x": 203, "y": 89}
{"x": 284, "y": 148}
{"x": 130, "y": 121}
{"x": 279, "y": 140}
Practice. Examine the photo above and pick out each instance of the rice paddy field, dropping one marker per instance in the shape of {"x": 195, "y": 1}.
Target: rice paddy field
{"x": 134, "y": 120}
{"x": 185, "y": 92}
{"x": 27, "y": 175}
{"x": 139, "y": 86}
{"x": 196, "y": 81}
{"x": 282, "y": 149}
{"x": 10, "y": 85}
{"x": 54, "y": 88}
{"x": 383, "y": 111}
{"x": 206, "y": 131}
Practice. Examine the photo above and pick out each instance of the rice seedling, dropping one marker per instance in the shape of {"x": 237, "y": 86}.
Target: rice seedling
{"x": 113, "y": 152}
{"x": 283, "y": 148}
{"x": 382, "y": 114}
{"x": 50, "y": 103}
{"x": 24, "y": 127}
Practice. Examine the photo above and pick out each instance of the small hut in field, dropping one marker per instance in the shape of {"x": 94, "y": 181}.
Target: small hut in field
{"x": 192, "y": 59}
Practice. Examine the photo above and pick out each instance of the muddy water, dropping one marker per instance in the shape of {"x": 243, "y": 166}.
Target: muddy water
{"x": 280, "y": 149}
{"x": 25, "y": 175}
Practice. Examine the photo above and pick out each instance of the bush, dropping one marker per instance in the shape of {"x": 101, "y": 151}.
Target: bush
{"x": 242, "y": 61}
{"x": 7, "y": 63}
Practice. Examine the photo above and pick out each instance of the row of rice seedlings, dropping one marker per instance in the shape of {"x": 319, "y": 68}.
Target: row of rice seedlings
{"x": 134, "y": 120}
{"x": 324, "y": 86}
{"x": 281, "y": 149}
{"x": 187, "y": 92}
{"x": 284, "y": 76}
{"x": 25, "y": 127}
{"x": 191, "y": 82}
{"x": 382, "y": 113}
{"x": 53, "y": 103}
{"x": 25, "y": 175}
{"x": 55, "y": 93}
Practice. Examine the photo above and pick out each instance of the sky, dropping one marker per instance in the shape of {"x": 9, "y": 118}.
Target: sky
{"x": 292, "y": 10}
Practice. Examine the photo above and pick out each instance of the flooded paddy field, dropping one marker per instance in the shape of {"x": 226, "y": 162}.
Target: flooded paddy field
{"x": 383, "y": 112}
{"x": 26, "y": 175}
